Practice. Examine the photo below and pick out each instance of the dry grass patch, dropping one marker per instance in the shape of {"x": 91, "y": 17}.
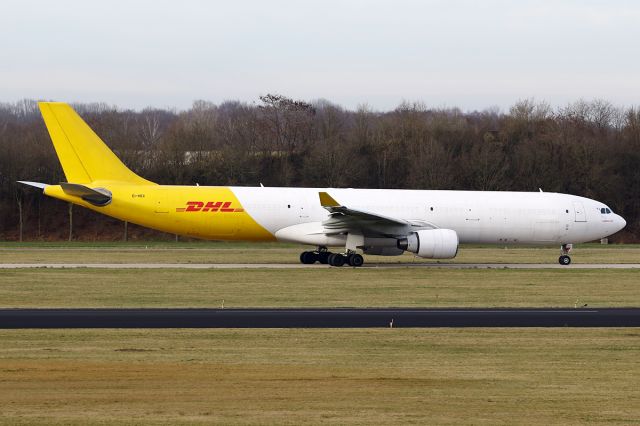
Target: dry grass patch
{"x": 318, "y": 288}
{"x": 287, "y": 253}
{"x": 454, "y": 376}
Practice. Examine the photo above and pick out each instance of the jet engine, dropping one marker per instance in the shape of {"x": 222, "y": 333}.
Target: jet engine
{"x": 431, "y": 243}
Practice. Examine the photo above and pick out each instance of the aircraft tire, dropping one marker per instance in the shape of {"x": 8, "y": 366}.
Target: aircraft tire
{"x": 564, "y": 260}
{"x": 308, "y": 257}
{"x": 323, "y": 257}
{"x": 355, "y": 259}
{"x": 336, "y": 259}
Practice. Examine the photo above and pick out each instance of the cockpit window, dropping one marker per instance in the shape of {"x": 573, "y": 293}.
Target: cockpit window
{"x": 603, "y": 210}
{"x": 608, "y": 211}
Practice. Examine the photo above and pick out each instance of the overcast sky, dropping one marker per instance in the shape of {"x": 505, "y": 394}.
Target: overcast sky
{"x": 470, "y": 54}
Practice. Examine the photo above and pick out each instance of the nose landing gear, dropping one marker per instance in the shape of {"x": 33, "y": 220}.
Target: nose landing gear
{"x": 564, "y": 258}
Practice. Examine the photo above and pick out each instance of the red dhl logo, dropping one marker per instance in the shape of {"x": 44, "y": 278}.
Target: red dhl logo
{"x": 210, "y": 206}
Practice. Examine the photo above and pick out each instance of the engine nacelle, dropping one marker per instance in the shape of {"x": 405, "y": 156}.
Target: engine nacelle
{"x": 431, "y": 243}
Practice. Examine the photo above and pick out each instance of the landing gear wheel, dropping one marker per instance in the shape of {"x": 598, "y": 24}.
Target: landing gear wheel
{"x": 323, "y": 257}
{"x": 336, "y": 259}
{"x": 355, "y": 259}
{"x": 564, "y": 260}
{"x": 308, "y": 257}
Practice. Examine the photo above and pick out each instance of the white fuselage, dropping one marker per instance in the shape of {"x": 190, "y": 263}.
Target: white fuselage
{"x": 476, "y": 216}
{"x": 376, "y": 221}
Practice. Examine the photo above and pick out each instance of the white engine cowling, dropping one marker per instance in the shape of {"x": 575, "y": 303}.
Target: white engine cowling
{"x": 431, "y": 243}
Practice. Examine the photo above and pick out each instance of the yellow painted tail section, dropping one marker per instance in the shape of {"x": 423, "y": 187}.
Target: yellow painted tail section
{"x": 84, "y": 156}
{"x": 99, "y": 181}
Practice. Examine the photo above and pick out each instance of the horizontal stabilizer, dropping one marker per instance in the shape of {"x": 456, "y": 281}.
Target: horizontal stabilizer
{"x": 95, "y": 196}
{"x": 34, "y": 184}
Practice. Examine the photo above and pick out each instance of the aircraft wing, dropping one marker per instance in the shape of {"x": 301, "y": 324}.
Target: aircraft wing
{"x": 345, "y": 219}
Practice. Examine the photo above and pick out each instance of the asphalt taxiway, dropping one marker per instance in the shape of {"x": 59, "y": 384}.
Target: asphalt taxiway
{"x": 318, "y": 318}
{"x": 301, "y": 266}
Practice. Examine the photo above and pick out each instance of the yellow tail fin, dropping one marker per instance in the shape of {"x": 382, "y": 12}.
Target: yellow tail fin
{"x": 84, "y": 156}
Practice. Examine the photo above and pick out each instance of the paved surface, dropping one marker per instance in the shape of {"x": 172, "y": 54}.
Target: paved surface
{"x": 300, "y": 266}
{"x": 314, "y": 318}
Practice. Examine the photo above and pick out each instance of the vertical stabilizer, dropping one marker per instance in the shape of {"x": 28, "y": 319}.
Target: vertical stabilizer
{"x": 84, "y": 156}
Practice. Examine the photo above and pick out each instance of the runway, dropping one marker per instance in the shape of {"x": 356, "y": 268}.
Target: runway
{"x": 316, "y": 266}
{"x": 317, "y": 318}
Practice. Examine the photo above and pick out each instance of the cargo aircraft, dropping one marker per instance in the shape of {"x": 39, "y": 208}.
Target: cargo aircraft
{"x": 387, "y": 222}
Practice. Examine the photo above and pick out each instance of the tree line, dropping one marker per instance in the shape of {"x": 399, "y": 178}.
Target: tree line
{"x": 588, "y": 148}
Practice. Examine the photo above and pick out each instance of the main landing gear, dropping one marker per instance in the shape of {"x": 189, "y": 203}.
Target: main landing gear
{"x": 564, "y": 258}
{"x": 324, "y": 256}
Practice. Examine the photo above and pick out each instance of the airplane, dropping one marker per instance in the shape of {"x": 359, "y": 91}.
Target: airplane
{"x": 388, "y": 222}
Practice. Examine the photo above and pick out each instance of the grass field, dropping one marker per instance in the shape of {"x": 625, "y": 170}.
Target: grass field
{"x": 211, "y": 252}
{"x": 326, "y": 376}
{"x": 318, "y": 287}
{"x": 430, "y": 376}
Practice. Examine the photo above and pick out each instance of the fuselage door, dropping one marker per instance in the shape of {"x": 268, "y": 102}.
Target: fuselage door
{"x": 579, "y": 210}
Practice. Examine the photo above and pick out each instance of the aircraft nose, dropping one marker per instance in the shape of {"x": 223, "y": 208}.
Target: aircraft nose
{"x": 621, "y": 222}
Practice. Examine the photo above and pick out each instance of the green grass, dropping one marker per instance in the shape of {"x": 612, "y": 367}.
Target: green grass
{"x": 385, "y": 376}
{"x": 318, "y": 287}
{"x": 211, "y": 252}
{"x": 325, "y": 376}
